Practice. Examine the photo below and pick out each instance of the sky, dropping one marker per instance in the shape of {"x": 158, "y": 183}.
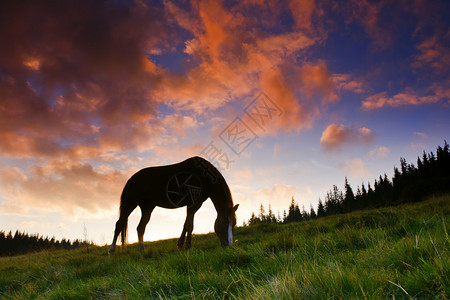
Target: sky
{"x": 287, "y": 98}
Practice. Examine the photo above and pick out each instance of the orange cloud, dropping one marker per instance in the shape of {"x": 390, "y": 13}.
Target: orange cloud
{"x": 302, "y": 11}
{"x": 61, "y": 186}
{"x": 317, "y": 82}
{"x": 367, "y": 13}
{"x": 335, "y": 136}
{"x": 277, "y": 196}
{"x": 408, "y": 97}
{"x": 421, "y": 134}
{"x": 434, "y": 54}
{"x": 356, "y": 168}
{"x": 232, "y": 61}
{"x": 64, "y": 86}
{"x": 379, "y": 152}
{"x": 33, "y": 64}
{"x": 295, "y": 115}
{"x": 346, "y": 83}
{"x": 178, "y": 124}
{"x": 93, "y": 91}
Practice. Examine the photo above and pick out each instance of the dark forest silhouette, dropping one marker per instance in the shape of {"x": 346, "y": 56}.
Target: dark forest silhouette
{"x": 410, "y": 183}
{"x": 22, "y": 243}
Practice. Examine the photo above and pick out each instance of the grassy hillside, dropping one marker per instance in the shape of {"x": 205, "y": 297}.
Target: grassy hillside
{"x": 401, "y": 252}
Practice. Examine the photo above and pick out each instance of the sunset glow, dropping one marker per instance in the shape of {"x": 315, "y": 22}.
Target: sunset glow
{"x": 93, "y": 91}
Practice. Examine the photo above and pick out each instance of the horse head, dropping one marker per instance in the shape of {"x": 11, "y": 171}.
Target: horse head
{"x": 224, "y": 225}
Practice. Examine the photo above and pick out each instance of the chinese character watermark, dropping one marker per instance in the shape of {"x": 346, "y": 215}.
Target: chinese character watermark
{"x": 262, "y": 110}
{"x": 238, "y": 135}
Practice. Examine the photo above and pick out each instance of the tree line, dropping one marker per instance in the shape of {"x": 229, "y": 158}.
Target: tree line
{"x": 21, "y": 243}
{"x": 410, "y": 183}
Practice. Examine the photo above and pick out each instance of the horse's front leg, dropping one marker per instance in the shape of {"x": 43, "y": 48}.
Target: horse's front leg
{"x": 180, "y": 242}
{"x": 146, "y": 213}
{"x": 188, "y": 226}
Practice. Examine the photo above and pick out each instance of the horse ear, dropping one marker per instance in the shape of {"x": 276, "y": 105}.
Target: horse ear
{"x": 235, "y": 207}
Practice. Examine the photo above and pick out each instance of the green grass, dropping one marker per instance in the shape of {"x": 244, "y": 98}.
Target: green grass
{"x": 398, "y": 252}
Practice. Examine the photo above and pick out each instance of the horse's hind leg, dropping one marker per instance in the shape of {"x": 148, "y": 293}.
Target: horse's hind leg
{"x": 188, "y": 226}
{"x": 146, "y": 213}
{"x": 120, "y": 225}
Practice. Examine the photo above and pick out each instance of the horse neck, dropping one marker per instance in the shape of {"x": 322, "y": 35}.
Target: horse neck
{"x": 221, "y": 197}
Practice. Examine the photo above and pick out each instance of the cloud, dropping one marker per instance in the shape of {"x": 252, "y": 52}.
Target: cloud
{"x": 433, "y": 54}
{"x": 417, "y": 146}
{"x": 355, "y": 167}
{"x": 97, "y": 85}
{"x": 346, "y": 83}
{"x": 277, "y": 150}
{"x": 303, "y": 12}
{"x": 61, "y": 186}
{"x": 335, "y": 136}
{"x": 317, "y": 82}
{"x": 76, "y": 73}
{"x": 408, "y": 97}
{"x": 421, "y": 134}
{"x": 295, "y": 115}
{"x": 379, "y": 152}
{"x": 368, "y": 14}
{"x": 229, "y": 60}
{"x": 81, "y": 84}
{"x": 178, "y": 124}
{"x": 278, "y": 196}
{"x": 243, "y": 175}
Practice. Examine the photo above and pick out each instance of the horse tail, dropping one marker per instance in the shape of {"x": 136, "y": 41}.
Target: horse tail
{"x": 123, "y": 233}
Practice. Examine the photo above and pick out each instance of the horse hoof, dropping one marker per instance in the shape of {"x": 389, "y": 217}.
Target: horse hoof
{"x": 112, "y": 249}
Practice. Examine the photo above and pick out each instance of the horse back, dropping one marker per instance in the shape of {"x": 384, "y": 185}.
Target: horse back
{"x": 171, "y": 186}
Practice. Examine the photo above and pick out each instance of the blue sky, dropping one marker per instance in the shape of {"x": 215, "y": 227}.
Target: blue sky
{"x": 91, "y": 93}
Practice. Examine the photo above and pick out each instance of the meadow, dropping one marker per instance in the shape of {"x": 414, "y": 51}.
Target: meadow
{"x": 397, "y": 252}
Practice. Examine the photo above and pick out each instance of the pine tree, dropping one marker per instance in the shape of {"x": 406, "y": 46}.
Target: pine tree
{"x": 291, "y": 212}
{"x": 349, "y": 198}
{"x": 320, "y": 209}
{"x": 304, "y": 215}
{"x": 253, "y": 219}
{"x": 297, "y": 214}
{"x": 262, "y": 213}
{"x": 270, "y": 216}
{"x": 312, "y": 213}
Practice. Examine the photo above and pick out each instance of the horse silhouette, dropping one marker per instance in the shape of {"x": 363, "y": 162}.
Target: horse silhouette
{"x": 188, "y": 183}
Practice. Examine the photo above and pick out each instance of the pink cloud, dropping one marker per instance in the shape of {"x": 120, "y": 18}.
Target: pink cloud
{"x": 96, "y": 85}
{"x": 379, "y": 152}
{"x": 336, "y": 136}
{"x": 303, "y": 12}
{"x": 408, "y": 97}
{"x": 433, "y": 54}
{"x": 317, "y": 81}
{"x": 346, "y": 83}
{"x": 178, "y": 124}
{"x": 61, "y": 186}
{"x": 356, "y": 168}
{"x": 367, "y": 14}
{"x": 66, "y": 86}
{"x": 421, "y": 134}
{"x": 295, "y": 114}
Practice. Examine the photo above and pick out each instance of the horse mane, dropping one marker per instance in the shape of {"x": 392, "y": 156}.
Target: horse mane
{"x": 225, "y": 189}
